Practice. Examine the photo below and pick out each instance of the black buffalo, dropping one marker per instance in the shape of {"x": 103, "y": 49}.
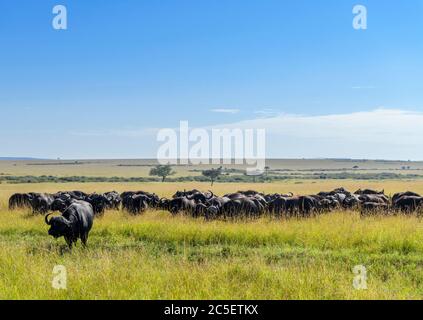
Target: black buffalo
{"x": 74, "y": 223}
{"x": 409, "y": 204}
{"x": 20, "y": 200}
{"x": 99, "y": 203}
{"x": 41, "y": 202}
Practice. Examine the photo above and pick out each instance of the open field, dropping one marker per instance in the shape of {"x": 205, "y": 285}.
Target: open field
{"x": 210, "y": 150}
{"x": 137, "y": 168}
{"x": 156, "y": 256}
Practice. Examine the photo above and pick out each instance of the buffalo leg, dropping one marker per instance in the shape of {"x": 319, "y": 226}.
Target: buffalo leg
{"x": 69, "y": 242}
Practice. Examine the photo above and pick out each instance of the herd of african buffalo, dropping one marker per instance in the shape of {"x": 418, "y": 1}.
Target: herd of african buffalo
{"x": 210, "y": 206}
{"x": 78, "y": 209}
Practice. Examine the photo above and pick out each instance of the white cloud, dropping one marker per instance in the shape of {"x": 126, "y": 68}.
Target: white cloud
{"x": 390, "y": 134}
{"x": 232, "y": 111}
{"x": 377, "y": 134}
{"x": 267, "y": 112}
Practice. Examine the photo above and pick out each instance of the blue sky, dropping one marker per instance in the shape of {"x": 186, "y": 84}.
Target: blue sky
{"x": 123, "y": 67}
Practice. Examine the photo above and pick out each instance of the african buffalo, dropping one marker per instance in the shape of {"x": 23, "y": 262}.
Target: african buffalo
{"x": 409, "y": 203}
{"x": 74, "y": 223}
{"x": 19, "y": 201}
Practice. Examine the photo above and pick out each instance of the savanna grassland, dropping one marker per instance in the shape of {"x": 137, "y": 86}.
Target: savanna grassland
{"x": 156, "y": 256}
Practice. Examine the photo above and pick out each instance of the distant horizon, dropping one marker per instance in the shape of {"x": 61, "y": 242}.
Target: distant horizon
{"x": 153, "y": 159}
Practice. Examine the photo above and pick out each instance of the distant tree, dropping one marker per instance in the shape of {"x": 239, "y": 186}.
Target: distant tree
{"x": 212, "y": 174}
{"x": 266, "y": 171}
{"x": 162, "y": 171}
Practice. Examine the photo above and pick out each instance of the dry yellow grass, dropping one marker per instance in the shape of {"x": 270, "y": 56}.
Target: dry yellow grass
{"x": 141, "y": 168}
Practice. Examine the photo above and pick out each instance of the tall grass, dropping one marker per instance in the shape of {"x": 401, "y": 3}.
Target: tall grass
{"x": 156, "y": 256}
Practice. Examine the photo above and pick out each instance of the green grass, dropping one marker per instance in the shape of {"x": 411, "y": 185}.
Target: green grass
{"x": 156, "y": 256}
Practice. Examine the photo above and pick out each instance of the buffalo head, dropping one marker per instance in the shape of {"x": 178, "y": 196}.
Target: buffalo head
{"x": 59, "y": 226}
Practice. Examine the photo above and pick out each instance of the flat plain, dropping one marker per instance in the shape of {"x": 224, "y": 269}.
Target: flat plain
{"x": 157, "y": 256}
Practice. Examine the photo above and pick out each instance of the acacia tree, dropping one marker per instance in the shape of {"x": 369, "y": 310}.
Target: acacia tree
{"x": 266, "y": 171}
{"x": 162, "y": 171}
{"x": 212, "y": 174}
